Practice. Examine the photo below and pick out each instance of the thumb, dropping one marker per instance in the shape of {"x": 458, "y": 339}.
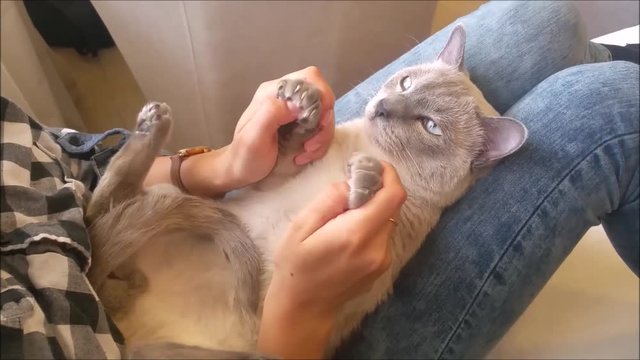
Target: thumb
{"x": 272, "y": 114}
{"x": 326, "y": 206}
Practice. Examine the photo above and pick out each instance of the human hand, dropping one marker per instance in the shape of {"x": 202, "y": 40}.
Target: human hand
{"x": 328, "y": 256}
{"x": 339, "y": 251}
{"x": 254, "y": 149}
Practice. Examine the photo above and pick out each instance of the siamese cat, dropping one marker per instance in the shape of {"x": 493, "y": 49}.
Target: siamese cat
{"x": 184, "y": 276}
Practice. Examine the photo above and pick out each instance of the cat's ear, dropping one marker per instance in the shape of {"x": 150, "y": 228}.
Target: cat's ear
{"x": 503, "y": 137}
{"x": 453, "y": 52}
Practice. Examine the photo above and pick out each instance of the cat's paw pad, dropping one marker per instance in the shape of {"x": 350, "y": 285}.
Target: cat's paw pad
{"x": 365, "y": 179}
{"x": 306, "y": 98}
{"x": 154, "y": 118}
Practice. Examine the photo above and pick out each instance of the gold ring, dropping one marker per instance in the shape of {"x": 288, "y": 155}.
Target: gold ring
{"x": 394, "y": 221}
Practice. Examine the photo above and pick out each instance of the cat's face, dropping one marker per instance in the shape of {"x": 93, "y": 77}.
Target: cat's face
{"x": 434, "y": 125}
{"x": 427, "y": 121}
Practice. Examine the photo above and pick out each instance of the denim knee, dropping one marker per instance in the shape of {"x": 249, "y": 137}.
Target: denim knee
{"x": 586, "y": 109}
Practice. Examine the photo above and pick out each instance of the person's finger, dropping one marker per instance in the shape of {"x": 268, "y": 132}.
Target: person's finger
{"x": 390, "y": 226}
{"x": 302, "y": 159}
{"x": 328, "y": 119}
{"x": 267, "y": 91}
{"x": 320, "y": 141}
{"x": 318, "y": 145}
{"x": 324, "y": 136}
{"x": 377, "y": 247}
{"x": 309, "y": 156}
{"x": 264, "y": 91}
{"x": 270, "y": 115}
{"x": 313, "y": 75}
{"x": 387, "y": 201}
{"x": 326, "y": 206}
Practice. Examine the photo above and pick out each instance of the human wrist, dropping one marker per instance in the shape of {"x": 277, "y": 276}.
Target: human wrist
{"x": 208, "y": 174}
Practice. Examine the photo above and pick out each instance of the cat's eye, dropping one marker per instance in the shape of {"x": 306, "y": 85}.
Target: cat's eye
{"x": 431, "y": 127}
{"x": 405, "y": 83}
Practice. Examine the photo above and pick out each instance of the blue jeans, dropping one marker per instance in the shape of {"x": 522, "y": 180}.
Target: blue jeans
{"x": 494, "y": 250}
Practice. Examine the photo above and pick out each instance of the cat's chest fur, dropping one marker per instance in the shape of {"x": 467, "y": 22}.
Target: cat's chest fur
{"x": 267, "y": 213}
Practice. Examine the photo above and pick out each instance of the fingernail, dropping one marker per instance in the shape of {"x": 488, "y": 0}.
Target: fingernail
{"x": 293, "y": 109}
{"x": 301, "y": 159}
{"x": 313, "y": 147}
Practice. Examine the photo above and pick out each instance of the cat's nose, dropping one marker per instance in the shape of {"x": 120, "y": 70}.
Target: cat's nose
{"x": 381, "y": 110}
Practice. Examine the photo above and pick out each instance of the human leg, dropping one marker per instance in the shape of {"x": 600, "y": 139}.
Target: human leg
{"x": 494, "y": 250}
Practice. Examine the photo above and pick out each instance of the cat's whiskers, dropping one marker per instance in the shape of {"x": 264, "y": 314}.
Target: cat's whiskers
{"x": 400, "y": 152}
{"x": 415, "y": 163}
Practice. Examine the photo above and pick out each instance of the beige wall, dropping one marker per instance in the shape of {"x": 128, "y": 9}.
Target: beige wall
{"x": 447, "y": 11}
{"x": 207, "y": 58}
{"x": 29, "y": 77}
{"x": 102, "y": 88}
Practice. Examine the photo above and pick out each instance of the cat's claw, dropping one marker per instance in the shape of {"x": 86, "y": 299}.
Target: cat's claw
{"x": 306, "y": 98}
{"x": 303, "y": 100}
{"x": 365, "y": 179}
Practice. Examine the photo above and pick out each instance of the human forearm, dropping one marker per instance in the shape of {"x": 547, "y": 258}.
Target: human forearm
{"x": 209, "y": 174}
{"x": 254, "y": 150}
{"x": 291, "y": 330}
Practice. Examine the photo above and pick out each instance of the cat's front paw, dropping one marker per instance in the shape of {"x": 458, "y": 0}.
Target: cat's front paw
{"x": 306, "y": 98}
{"x": 365, "y": 179}
{"x": 155, "y": 119}
{"x": 303, "y": 99}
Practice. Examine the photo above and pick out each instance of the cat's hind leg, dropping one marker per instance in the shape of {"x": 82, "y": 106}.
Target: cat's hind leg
{"x": 127, "y": 170}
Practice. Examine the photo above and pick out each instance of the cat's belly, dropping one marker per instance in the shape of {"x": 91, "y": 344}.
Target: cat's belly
{"x": 268, "y": 214}
{"x": 188, "y": 298}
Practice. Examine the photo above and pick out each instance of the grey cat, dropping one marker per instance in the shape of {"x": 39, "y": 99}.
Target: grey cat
{"x": 182, "y": 275}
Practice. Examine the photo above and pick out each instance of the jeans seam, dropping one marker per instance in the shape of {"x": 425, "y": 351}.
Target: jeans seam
{"x": 508, "y": 247}
{"x": 627, "y": 204}
{"x": 631, "y": 182}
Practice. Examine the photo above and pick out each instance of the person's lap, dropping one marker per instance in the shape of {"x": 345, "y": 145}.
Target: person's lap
{"x": 495, "y": 249}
